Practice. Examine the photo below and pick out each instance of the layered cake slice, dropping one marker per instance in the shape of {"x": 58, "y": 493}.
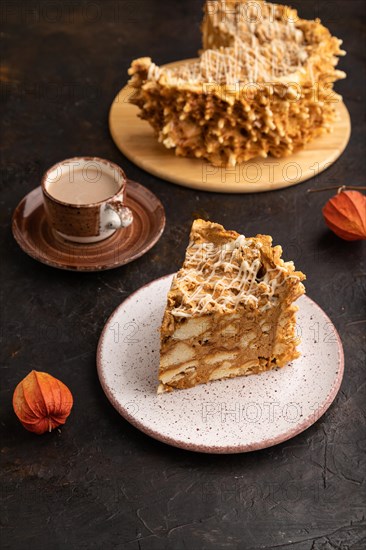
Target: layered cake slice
{"x": 229, "y": 311}
{"x": 263, "y": 85}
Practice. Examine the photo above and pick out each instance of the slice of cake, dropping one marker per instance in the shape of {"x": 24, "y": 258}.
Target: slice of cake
{"x": 230, "y": 309}
{"x": 263, "y": 85}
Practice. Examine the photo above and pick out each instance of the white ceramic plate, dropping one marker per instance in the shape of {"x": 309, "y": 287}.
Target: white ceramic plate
{"x": 228, "y": 416}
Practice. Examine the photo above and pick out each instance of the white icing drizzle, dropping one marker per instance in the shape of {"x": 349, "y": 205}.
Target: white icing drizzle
{"x": 153, "y": 72}
{"x": 264, "y": 48}
{"x": 219, "y": 278}
{"x": 266, "y": 41}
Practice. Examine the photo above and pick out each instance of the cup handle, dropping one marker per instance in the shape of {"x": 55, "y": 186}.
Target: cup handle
{"x": 116, "y": 216}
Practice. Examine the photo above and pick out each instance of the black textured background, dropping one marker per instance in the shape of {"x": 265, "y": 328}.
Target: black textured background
{"x": 98, "y": 482}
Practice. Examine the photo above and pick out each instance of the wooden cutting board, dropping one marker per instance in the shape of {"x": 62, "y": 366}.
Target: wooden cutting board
{"x": 135, "y": 139}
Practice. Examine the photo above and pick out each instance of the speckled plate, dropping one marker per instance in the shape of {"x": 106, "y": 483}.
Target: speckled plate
{"x": 228, "y": 416}
{"x": 35, "y": 236}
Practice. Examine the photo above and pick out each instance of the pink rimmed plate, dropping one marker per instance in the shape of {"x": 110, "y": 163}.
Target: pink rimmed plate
{"x": 228, "y": 416}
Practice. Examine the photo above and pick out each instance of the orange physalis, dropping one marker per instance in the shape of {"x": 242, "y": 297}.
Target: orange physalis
{"x": 345, "y": 215}
{"x": 41, "y": 402}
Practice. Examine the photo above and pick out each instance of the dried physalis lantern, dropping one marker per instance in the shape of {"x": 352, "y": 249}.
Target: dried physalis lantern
{"x": 345, "y": 215}
{"x": 41, "y": 402}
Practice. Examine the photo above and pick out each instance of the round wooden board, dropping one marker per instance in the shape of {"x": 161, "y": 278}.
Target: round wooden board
{"x": 136, "y": 139}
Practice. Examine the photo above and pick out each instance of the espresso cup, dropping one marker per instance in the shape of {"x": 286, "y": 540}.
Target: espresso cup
{"x": 84, "y": 199}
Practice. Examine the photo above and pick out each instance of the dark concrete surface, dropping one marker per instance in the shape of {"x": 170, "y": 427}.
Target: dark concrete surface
{"x": 98, "y": 482}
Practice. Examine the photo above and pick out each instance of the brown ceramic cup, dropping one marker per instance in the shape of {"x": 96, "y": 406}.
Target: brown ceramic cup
{"x": 77, "y": 217}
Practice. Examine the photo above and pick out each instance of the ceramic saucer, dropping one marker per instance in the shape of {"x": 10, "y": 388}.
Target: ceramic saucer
{"x": 35, "y": 236}
{"x": 226, "y": 416}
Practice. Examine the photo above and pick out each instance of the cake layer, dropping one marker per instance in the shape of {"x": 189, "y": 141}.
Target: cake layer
{"x": 230, "y": 309}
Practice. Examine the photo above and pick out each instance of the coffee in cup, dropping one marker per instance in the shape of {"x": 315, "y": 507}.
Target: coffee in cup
{"x": 84, "y": 199}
